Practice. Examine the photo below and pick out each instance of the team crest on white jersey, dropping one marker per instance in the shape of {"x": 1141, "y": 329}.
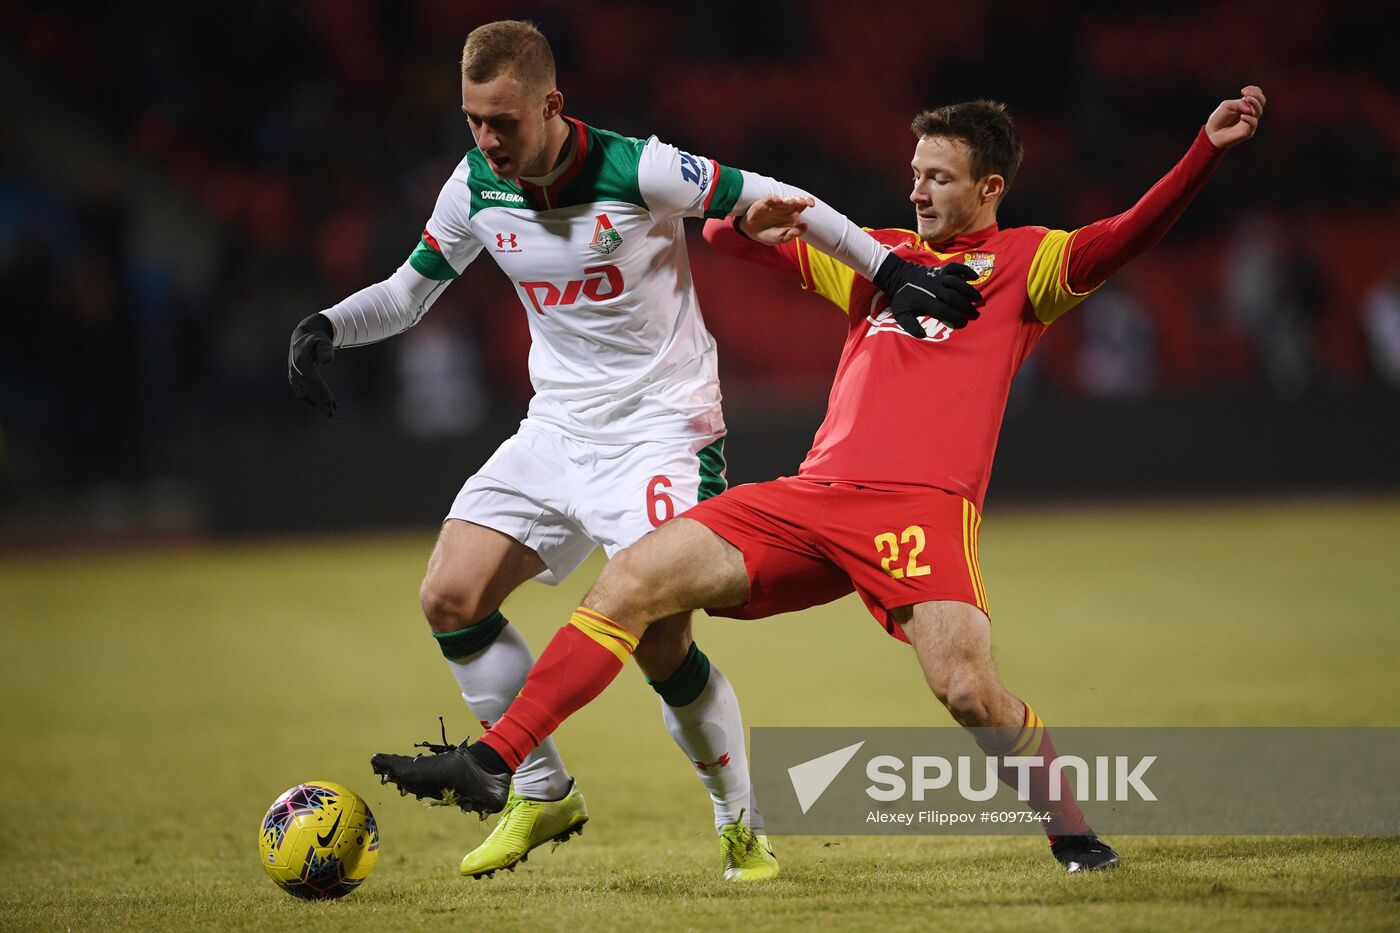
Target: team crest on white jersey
{"x": 605, "y": 238}
{"x": 981, "y": 263}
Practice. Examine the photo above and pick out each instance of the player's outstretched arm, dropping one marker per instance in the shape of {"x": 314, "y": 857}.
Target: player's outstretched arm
{"x": 767, "y": 232}
{"x": 725, "y": 237}
{"x": 1100, "y": 249}
{"x": 676, "y": 183}
{"x": 372, "y": 314}
{"x": 914, "y": 291}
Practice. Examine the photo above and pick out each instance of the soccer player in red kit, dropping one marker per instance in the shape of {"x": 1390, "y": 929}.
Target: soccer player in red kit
{"x": 888, "y": 502}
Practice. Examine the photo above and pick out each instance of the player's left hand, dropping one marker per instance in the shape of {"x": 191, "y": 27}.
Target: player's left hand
{"x": 1234, "y": 121}
{"x": 774, "y": 220}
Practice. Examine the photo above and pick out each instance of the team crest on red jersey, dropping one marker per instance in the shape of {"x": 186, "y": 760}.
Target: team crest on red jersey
{"x": 981, "y": 263}
{"x": 605, "y": 238}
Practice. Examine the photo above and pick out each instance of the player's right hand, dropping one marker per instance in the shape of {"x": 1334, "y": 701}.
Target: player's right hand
{"x": 940, "y": 292}
{"x": 312, "y": 346}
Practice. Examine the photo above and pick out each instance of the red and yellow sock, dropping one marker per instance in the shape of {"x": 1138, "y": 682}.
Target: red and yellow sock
{"x": 580, "y": 660}
{"x": 1033, "y": 741}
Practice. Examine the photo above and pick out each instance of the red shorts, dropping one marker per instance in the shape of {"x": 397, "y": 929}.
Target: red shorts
{"x": 806, "y": 543}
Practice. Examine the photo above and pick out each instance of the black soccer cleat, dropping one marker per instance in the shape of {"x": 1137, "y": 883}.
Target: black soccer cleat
{"x": 448, "y": 775}
{"x": 1084, "y": 853}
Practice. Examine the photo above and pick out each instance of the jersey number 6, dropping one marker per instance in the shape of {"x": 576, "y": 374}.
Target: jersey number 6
{"x": 661, "y": 508}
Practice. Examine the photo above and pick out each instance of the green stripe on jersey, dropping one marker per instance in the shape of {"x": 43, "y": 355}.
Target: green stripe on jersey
{"x": 609, "y": 171}
{"x": 727, "y": 188}
{"x": 490, "y": 191}
{"x": 712, "y": 466}
{"x": 431, "y": 264}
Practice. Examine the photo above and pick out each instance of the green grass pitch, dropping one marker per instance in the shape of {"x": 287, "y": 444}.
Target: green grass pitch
{"x": 155, "y": 703}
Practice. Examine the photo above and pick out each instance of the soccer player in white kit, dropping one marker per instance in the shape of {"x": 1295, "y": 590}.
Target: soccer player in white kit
{"x": 625, "y": 428}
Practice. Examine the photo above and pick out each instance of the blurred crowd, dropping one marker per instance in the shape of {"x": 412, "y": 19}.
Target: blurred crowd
{"x": 197, "y": 177}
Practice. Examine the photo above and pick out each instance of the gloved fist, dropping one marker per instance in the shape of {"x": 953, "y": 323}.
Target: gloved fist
{"x": 940, "y": 292}
{"x": 312, "y": 347}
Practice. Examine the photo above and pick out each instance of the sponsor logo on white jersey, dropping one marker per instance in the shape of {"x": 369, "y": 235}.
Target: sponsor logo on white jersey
{"x": 509, "y": 196}
{"x": 696, "y": 171}
{"x": 598, "y": 284}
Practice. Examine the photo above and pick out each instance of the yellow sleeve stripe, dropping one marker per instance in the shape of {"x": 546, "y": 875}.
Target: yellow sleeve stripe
{"x": 1046, "y": 284}
{"x": 972, "y": 523}
{"x": 1029, "y": 739}
{"x": 827, "y": 277}
{"x": 605, "y": 632}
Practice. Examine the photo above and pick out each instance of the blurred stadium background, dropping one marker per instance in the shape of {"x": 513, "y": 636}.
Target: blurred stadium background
{"x": 179, "y": 184}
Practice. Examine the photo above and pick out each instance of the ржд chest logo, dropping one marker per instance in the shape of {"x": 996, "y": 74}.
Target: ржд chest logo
{"x": 598, "y": 284}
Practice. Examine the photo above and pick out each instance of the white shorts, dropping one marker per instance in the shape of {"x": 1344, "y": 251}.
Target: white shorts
{"x": 563, "y": 497}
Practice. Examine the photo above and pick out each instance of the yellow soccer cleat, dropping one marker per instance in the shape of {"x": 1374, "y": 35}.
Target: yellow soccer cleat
{"x": 747, "y": 855}
{"x": 525, "y": 825}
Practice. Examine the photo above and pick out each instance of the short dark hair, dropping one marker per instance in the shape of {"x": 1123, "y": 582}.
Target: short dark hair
{"x": 508, "y": 46}
{"x": 985, "y": 127}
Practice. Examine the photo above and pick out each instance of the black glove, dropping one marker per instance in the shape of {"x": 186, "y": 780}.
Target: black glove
{"x": 937, "y": 291}
{"x": 312, "y": 346}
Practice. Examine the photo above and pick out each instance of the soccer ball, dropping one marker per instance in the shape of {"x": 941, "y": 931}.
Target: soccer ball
{"x": 319, "y": 840}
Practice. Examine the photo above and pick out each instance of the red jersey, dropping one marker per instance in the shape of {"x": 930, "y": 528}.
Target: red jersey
{"x": 908, "y": 412}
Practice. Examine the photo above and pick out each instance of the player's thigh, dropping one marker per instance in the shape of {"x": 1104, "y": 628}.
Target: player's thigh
{"x": 776, "y": 528}
{"x": 953, "y": 640}
{"x": 524, "y": 491}
{"x": 902, "y": 548}
{"x": 472, "y": 570}
{"x": 681, "y": 566}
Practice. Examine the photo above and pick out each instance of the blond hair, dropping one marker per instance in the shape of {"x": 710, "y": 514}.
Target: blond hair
{"x": 509, "y": 46}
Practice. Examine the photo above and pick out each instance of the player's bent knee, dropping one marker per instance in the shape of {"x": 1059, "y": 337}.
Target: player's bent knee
{"x": 450, "y": 608}
{"x": 621, "y": 588}
{"x": 969, "y": 697}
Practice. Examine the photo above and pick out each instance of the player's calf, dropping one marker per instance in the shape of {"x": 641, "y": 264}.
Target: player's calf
{"x": 664, "y": 648}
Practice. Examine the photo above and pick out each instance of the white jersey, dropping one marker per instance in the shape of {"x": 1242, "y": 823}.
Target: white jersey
{"x": 619, "y": 351}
